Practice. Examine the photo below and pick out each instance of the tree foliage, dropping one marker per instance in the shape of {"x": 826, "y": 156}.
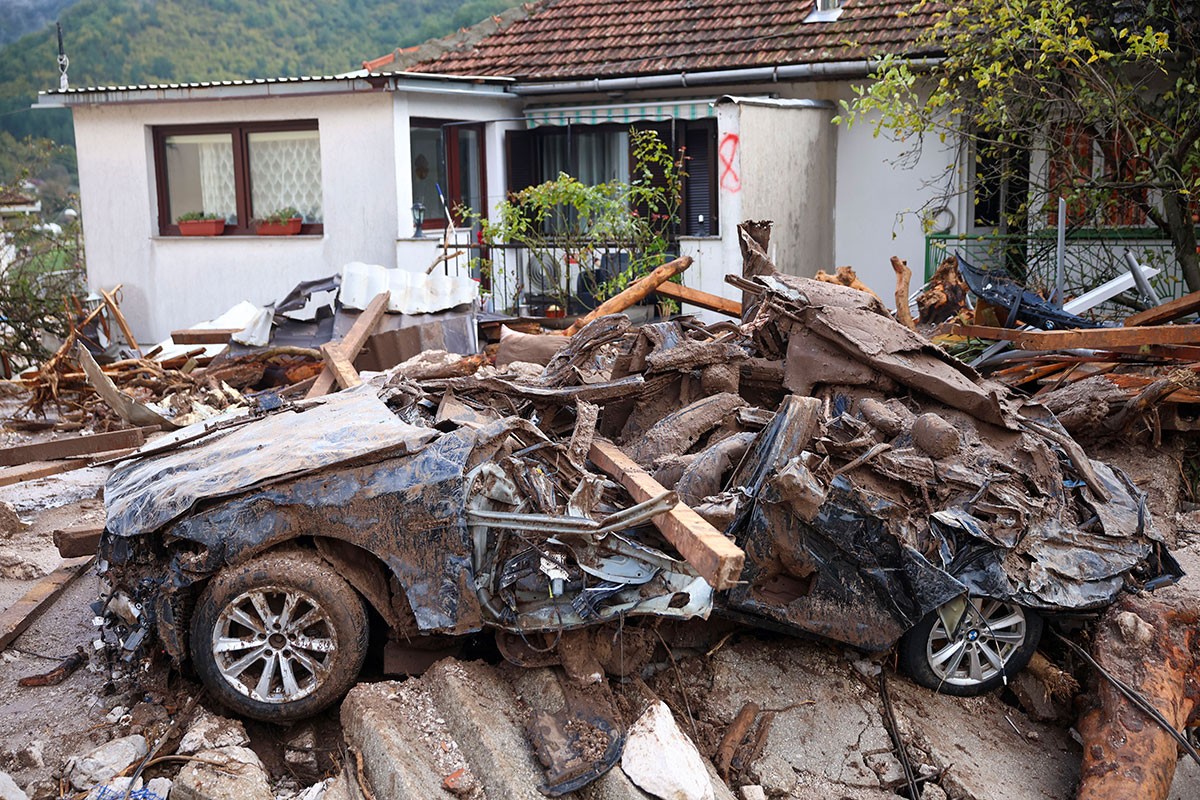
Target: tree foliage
{"x": 1100, "y": 97}
{"x": 115, "y": 42}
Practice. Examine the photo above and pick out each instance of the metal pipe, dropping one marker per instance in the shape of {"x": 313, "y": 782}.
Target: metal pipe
{"x": 1060, "y": 256}
{"x": 682, "y": 80}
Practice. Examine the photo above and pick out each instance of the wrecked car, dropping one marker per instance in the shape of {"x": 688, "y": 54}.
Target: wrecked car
{"x": 254, "y": 550}
{"x": 882, "y": 494}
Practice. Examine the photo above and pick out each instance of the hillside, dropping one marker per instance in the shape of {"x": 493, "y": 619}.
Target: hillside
{"x": 19, "y": 17}
{"x": 144, "y": 41}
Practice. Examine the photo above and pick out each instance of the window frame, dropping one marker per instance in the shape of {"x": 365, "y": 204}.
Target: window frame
{"x": 450, "y": 129}
{"x": 239, "y": 132}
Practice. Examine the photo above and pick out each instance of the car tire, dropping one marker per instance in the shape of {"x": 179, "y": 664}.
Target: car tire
{"x": 994, "y": 640}
{"x": 279, "y": 638}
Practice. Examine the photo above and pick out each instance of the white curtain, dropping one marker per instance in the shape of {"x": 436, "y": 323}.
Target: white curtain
{"x": 285, "y": 170}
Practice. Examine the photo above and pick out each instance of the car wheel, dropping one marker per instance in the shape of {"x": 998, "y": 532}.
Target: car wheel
{"x": 970, "y": 645}
{"x": 279, "y": 638}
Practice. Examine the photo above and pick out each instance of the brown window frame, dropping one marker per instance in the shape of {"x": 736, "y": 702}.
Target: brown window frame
{"x": 434, "y": 217}
{"x": 239, "y": 131}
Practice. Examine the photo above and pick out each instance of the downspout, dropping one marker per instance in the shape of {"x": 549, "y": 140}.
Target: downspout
{"x": 827, "y": 70}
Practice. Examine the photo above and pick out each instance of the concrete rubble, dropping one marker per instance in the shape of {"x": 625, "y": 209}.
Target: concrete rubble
{"x": 596, "y": 553}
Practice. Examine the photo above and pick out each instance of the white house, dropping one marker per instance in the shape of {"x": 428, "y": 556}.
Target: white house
{"x": 749, "y": 87}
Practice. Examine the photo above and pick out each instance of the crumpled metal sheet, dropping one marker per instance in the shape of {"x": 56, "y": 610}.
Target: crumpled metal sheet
{"x": 144, "y": 494}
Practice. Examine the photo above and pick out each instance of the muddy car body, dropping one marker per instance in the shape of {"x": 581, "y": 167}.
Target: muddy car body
{"x": 253, "y": 551}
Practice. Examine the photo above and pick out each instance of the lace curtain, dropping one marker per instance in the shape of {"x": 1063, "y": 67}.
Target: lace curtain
{"x": 285, "y": 170}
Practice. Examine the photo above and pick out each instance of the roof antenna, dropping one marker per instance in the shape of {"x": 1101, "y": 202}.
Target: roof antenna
{"x": 63, "y": 61}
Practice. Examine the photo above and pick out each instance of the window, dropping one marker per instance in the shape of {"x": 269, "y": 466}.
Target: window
{"x": 449, "y": 156}
{"x": 1086, "y": 160}
{"x": 239, "y": 171}
{"x": 599, "y": 153}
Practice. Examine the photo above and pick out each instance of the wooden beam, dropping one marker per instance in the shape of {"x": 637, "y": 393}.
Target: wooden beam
{"x": 635, "y": 292}
{"x": 1090, "y": 338}
{"x": 203, "y": 335}
{"x": 21, "y": 614}
{"x": 695, "y": 297}
{"x": 1188, "y": 304}
{"x": 44, "y": 469}
{"x": 343, "y": 371}
{"x": 354, "y": 340}
{"x": 718, "y": 560}
{"x": 110, "y": 299}
{"x": 74, "y": 446}
{"x": 78, "y": 540}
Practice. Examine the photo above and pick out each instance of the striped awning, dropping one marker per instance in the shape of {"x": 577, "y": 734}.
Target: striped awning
{"x": 692, "y": 108}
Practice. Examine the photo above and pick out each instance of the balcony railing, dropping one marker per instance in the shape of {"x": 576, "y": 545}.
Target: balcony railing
{"x": 1092, "y": 257}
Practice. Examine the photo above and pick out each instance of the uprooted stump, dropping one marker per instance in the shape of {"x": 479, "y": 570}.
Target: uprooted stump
{"x": 1152, "y": 643}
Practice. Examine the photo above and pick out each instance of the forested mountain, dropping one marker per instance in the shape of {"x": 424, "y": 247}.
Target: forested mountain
{"x": 148, "y": 41}
{"x": 19, "y": 17}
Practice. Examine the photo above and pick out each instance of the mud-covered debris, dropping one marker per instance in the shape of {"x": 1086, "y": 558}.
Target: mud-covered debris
{"x": 209, "y": 731}
{"x": 225, "y": 773}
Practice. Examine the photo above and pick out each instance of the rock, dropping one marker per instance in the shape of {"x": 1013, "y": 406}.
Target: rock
{"x": 9, "y": 789}
{"x": 935, "y": 436}
{"x": 16, "y": 568}
{"x": 752, "y": 793}
{"x": 660, "y": 759}
{"x": 159, "y": 787}
{"x": 209, "y": 732}
{"x": 241, "y": 777}
{"x": 105, "y": 762}
{"x": 318, "y": 791}
{"x": 10, "y": 522}
{"x": 300, "y": 753}
{"x": 1134, "y": 629}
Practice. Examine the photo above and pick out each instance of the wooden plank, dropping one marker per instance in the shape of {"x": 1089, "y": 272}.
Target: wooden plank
{"x": 695, "y": 297}
{"x": 343, "y": 371}
{"x": 203, "y": 335}
{"x": 1091, "y": 338}
{"x": 354, "y": 341}
{"x": 34, "y": 470}
{"x": 74, "y": 446}
{"x": 22, "y": 613}
{"x": 78, "y": 540}
{"x": 1188, "y": 304}
{"x": 633, "y": 293}
{"x": 110, "y": 299}
{"x": 718, "y": 560}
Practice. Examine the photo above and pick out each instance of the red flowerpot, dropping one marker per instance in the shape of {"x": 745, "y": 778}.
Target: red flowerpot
{"x": 201, "y": 227}
{"x": 289, "y": 228}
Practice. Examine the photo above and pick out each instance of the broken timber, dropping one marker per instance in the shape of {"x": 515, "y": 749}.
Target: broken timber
{"x": 338, "y": 361}
{"x": 695, "y": 297}
{"x": 1188, "y": 304}
{"x": 18, "y": 617}
{"x": 74, "y": 446}
{"x": 354, "y": 341}
{"x": 636, "y": 292}
{"x": 203, "y": 335}
{"x": 78, "y": 540}
{"x": 1091, "y": 338}
{"x": 716, "y": 558}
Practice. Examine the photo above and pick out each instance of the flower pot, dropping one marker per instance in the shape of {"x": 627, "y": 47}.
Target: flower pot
{"x": 287, "y": 228}
{"x": 201, "y": 227}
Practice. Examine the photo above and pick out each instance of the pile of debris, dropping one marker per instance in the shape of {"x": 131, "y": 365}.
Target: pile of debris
{"x": 812, "y": 467}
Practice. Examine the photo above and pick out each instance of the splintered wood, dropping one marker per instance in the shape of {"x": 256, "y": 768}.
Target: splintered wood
{"x": 718, "y": 560}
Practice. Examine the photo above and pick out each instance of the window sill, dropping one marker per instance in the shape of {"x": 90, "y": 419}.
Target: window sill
{"x": 238, "y": 237}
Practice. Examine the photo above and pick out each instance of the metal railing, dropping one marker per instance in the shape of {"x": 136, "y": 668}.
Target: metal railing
{"x": 1092, "y": 257}
{"x": 522, "y": 282}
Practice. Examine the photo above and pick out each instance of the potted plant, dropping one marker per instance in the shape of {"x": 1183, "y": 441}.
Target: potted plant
{"x": 201, "y": 223}
{"x": 284, "y": 222}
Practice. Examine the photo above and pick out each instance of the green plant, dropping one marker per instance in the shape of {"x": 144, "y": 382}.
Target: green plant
{"x": 285, "y": 214}
{"x": 565, "y": 220}
{"x": 198, "y": 216}
{"x": 41, "y": 269}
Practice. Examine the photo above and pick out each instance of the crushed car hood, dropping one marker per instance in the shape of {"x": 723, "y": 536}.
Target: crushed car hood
{"x": 146, "y": 493}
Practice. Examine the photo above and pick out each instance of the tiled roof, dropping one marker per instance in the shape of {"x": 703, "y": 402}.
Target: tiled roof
{"x": 566, "y": 39}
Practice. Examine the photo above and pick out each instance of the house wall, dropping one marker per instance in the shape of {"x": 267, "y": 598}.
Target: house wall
{"x": 174, "y": 282}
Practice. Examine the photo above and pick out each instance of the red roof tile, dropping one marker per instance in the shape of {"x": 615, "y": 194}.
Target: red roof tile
{"x": 565, "y": 39}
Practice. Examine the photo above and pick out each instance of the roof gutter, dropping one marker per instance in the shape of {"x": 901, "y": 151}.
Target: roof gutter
{"x": 817, "y": 71}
